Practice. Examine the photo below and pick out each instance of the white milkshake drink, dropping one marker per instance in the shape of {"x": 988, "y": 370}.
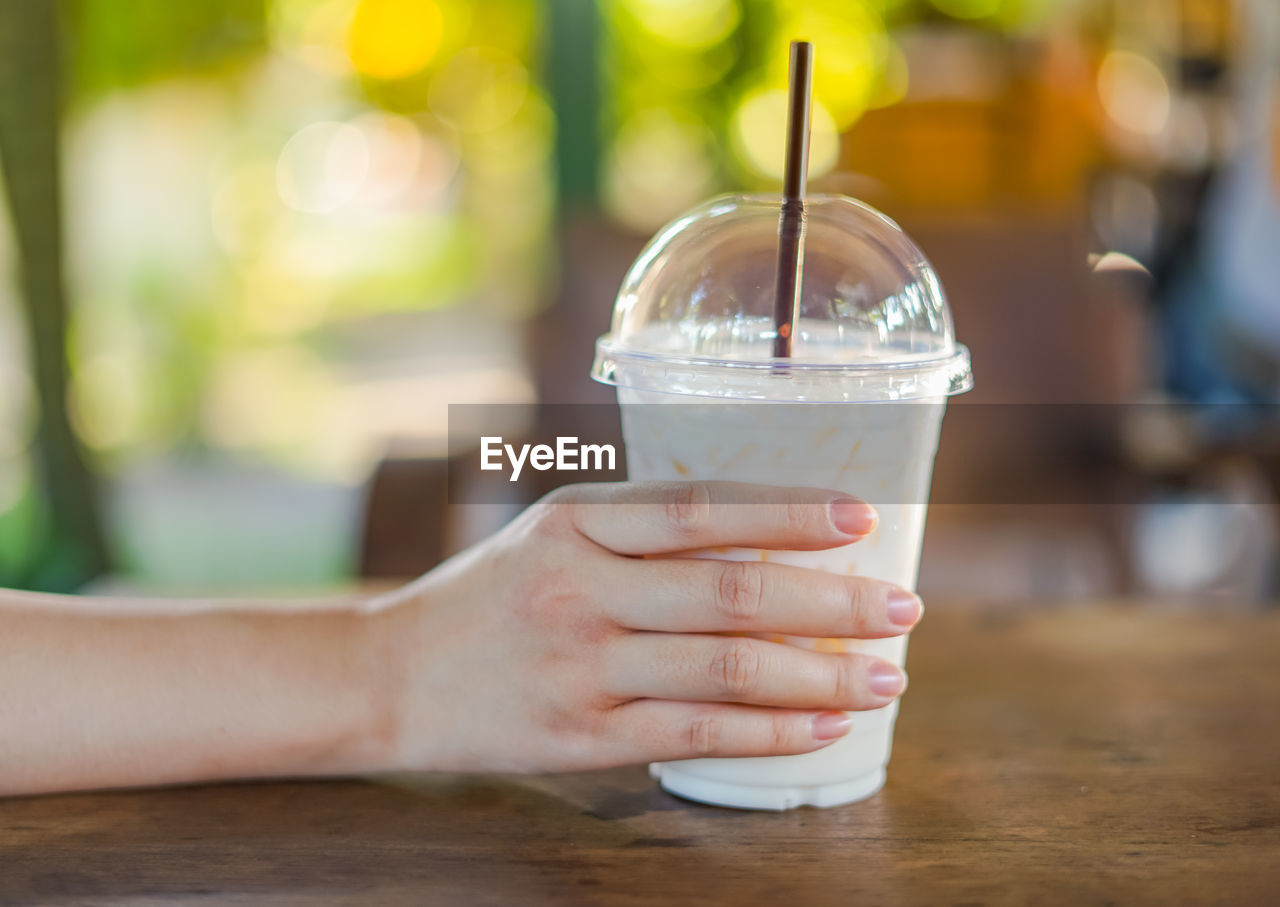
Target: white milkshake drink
{"x": 856, "y": 408}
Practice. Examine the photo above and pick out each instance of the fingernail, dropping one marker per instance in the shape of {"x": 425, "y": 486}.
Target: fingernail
{"x": 830, "y": 725}
{"x": 853, "y": 517}
{"x": 886, "y": 679}
{"x": 903, "y": 608}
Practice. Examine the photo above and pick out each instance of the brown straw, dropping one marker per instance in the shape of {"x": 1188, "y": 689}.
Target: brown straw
{"x": 786, "y": 299}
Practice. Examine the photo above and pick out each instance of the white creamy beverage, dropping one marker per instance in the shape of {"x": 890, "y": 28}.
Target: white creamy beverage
{"x": 856, "y": 409}
{"x": 861, "y": 454}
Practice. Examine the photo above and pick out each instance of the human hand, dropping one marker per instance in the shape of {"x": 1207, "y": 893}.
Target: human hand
{"x": 579, "y": 638}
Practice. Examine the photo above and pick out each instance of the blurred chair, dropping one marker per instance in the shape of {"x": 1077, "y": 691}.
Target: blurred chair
{"x": 405, "y": 524}
{"x": 418, "y": 512}
{"x": 1028, "y": 482}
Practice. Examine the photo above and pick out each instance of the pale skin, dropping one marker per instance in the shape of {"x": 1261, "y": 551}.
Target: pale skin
{"x": 575, "y": 638}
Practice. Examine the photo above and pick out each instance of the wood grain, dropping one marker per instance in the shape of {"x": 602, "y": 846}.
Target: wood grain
{"x": 1090, "y": 756}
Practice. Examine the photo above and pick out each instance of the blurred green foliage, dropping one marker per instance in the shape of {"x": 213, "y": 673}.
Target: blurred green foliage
{"x": 274, "y": 170}
{"x": 124, "y": 43}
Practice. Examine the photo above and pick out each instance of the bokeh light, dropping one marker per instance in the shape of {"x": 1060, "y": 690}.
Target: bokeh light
{"x": 523, "y": 144}
{"x": 661, "y": 161}
{"x": 1126, "y": 215}
{"x": 849, "y": 53}
{"x": 759, "y": 129}
{"x": 1134, "y": 92}
{"x": 315, "y": 31}
{"x": 111, "y": 406}
{"x": 895, "y": 77}
{"x": 686, "y": 24}
{"x": 395, "y": 153}
{"x": 391, "y": 39}
{"x": 480, "y": 89}
{"x": 322, "y": 167}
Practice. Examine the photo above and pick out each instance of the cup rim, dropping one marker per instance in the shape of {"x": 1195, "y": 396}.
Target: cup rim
{"x": 932, "y": 377}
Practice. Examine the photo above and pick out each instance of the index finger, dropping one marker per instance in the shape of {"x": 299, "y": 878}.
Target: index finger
{"x": 636, "y": 518}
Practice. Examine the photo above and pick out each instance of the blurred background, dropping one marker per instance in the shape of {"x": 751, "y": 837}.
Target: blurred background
{"x": 252, "y": 249}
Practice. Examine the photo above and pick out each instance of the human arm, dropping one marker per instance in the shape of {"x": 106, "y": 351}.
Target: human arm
{"x": 575, "y": 638}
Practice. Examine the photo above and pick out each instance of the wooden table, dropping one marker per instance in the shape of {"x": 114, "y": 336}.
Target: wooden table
{"x": 1077, "y": 756}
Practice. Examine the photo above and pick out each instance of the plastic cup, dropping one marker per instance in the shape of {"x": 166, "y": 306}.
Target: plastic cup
{"x": 857, "y": 408}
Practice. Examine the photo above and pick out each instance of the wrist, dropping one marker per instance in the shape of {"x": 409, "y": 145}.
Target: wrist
{"x": 390, "y": 638}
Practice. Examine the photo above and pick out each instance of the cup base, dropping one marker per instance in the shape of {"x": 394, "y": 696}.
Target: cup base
{"x": 746, "y": 796}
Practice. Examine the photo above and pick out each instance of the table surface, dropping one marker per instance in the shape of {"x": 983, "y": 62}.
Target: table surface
{"x": 1090, "y": 755}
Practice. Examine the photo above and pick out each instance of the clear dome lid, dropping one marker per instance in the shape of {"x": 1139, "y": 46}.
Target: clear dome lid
{"x": 695, "y": 312}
